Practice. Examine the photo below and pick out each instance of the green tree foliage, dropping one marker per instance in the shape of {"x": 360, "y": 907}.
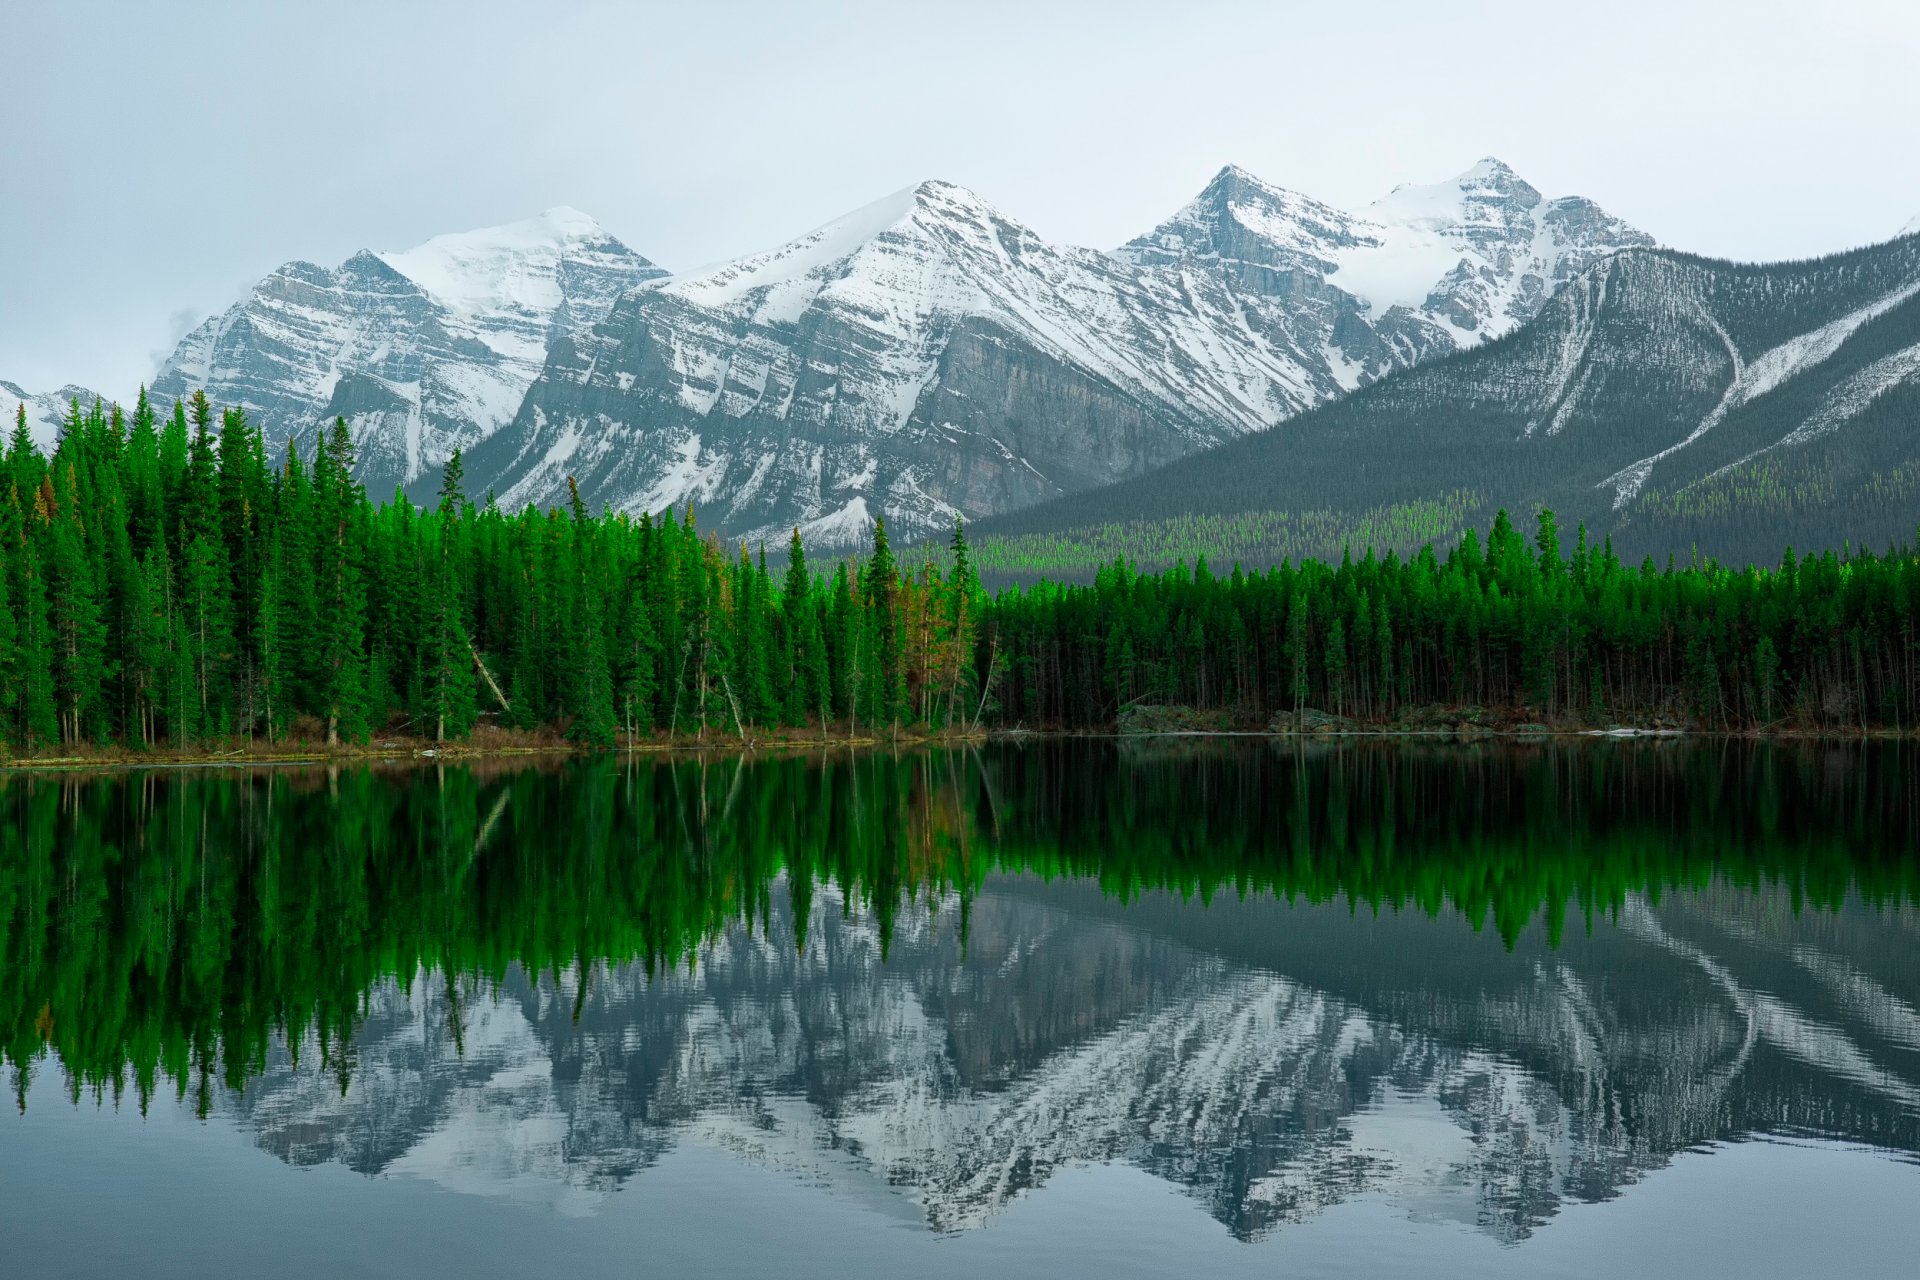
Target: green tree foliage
{"x": 164, "y": 587}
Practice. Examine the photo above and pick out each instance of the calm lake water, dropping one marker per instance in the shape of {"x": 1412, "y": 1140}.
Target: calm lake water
{"x": 1057, "y": 1009}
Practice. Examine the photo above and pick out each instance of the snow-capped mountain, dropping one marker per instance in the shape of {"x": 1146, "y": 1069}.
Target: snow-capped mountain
{"x": 46, "y": 412}
{"x": 1426, "y": 270}
{"x": 927, "y": 355}
{"x": 1669, "y": 401}
{"x": 422, "y": 351}
{"x": 923, "y": 355}
{"x": 1430, "y": 1068}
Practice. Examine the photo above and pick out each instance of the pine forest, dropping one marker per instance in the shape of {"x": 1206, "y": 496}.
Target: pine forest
{"x": 169, "y": 586}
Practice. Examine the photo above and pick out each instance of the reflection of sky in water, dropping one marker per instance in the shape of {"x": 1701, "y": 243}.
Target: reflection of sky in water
{"x": 189, "y": 1199}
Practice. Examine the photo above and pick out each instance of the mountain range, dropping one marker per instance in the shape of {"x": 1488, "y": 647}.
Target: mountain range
{"x": 1269, "y": 373}
{"x": 1669, "y": 402}
{"x": 924, "y": 356}
{"x": 927, "y": 355}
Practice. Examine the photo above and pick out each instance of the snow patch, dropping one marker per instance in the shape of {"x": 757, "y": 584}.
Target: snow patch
{"x": 787, "y": 275}
{"x": 851, "y": 525}
{"x": 495, "y": 269}
{"x": 1751, "y": 380}
{"x": 684, "y": 477}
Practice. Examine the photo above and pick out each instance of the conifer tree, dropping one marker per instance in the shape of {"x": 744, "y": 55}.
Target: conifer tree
{"x": 11, "y": 668}
{"x": 453, "y": 495}
{"x": 205, "y": 596}
{"x": 145, "y": 507}
{"x": 340, "y": 618}
{"x": 803, "y": 650}
{"x": 24, "y": 464}
{"x": 586, "y": 682}
{"x": 637, "y": 684}
{"x": 270, "y": 625}
{"x": 144, "y": 650}
{"x": 446, "y": 666}
{"x": 887, "y": 687}
{"x": 78, "y": 635}
{"x": 39, "y": 714}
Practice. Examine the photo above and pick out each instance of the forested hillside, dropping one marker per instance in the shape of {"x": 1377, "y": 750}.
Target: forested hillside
{"x": 1671, "y": 402}
{"x": 164, "y": 585}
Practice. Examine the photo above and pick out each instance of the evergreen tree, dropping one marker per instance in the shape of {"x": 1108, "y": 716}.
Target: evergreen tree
{"x": 341, "y": 617}
{"x": 78, "y": 634}
{"x": 39, "y": 714}
{"x": 886, "y": 687}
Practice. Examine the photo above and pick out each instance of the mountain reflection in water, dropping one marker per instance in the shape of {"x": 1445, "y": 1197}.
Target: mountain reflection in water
{"x": 1478, "y": 982}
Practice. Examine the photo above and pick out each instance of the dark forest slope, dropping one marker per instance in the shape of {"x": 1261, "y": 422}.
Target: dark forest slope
{"x": 1668, "y": 400}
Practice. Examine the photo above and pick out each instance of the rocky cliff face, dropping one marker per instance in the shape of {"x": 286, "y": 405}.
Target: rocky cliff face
{"x": 1665, "y": 400}
{"x": 1427, "y": 270}
{"x": 928, "y": 357}
{"x": 422, "y": 351}
{"x": 925, "y": 356}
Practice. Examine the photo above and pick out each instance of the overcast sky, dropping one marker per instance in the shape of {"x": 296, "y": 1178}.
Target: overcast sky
{"x": 156, "y": 159}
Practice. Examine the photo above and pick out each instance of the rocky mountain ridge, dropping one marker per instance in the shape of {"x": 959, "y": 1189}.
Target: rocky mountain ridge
{"x": 1665, "y": 400}
{"x": 928, "y": 356}
{"x": 422, "y": 351}
{"x": 924, "y": 356}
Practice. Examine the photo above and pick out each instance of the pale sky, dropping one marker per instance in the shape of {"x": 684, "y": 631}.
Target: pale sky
{"x": 157, "y": 159}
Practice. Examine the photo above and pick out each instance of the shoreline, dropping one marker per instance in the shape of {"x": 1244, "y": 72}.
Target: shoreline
{"x": 416, "y": 753}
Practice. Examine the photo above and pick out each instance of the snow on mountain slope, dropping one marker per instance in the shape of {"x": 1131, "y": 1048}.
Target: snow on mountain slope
{"x": 924, "y": 355}
{"x": 1770, "y": 369}
{"x": 423, "y": 351}
{"x": 512, "y": 285}
{"x": 46, "y": 412}
{"x": 1659, "y": 399}
{"x": 1510, "y": 250}
{"x": 1423, "y": 271}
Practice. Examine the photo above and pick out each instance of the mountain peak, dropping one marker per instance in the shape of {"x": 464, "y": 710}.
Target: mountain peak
{"x": 1467, "y": 198}
{"x": 1488, "y": 167}
{"x": 792, "y": 270}
{"x": 937, "y": 189}
{"x": 513, "y": 264}
{"x": 1240, "y": 216}
{"x": 1233, "y": 182}
{"x": 567, "y": 222}
{"x": 948, "y": 198}
{"x": 423, "y": 350}
{"x": 551, "y": 231}
{"x": 1232, "y": 175}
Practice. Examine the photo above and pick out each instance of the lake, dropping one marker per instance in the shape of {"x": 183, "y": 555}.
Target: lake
{"x": 1058, "y": 1008}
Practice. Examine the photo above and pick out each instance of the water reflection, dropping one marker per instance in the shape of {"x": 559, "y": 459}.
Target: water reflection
{"x": 1477, "y": 982}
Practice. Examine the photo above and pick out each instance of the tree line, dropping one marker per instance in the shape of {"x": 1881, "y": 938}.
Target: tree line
{"x": 166, "y": 585}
